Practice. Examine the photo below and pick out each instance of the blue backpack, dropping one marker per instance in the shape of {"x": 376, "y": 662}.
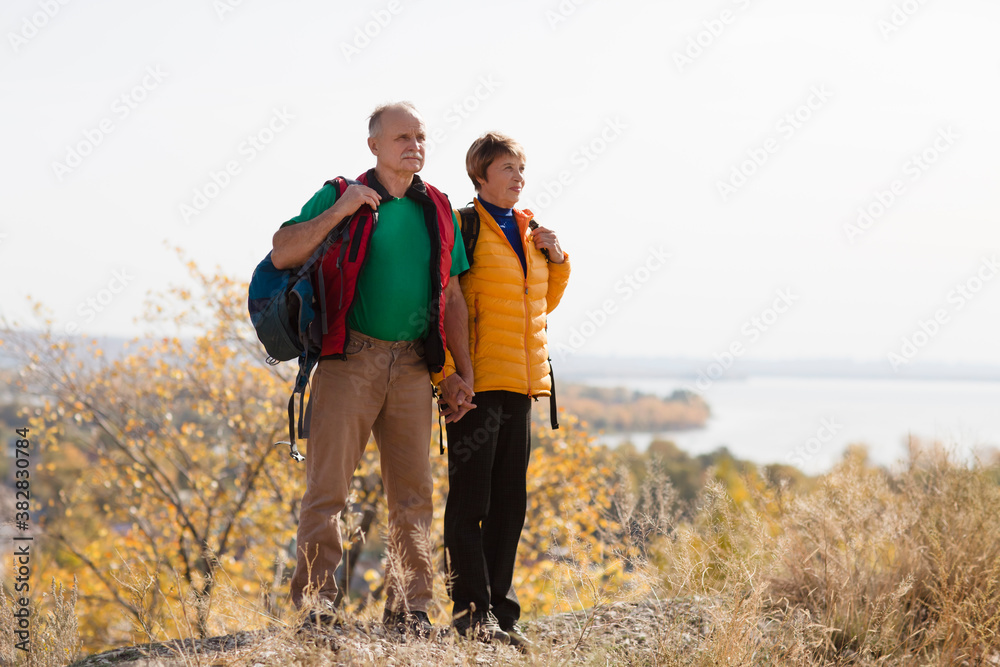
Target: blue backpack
{"x": 290, "y": 320}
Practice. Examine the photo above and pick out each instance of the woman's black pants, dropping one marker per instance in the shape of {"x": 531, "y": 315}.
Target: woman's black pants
{"x": 488, "y": 451}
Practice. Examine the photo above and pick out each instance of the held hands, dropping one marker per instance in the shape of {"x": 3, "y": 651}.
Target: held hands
{"x": 456, "y": 397}
{"x": 545, "y": 239}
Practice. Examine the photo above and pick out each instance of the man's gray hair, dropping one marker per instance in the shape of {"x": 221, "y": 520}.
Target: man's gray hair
{"x": 375, "y": 120}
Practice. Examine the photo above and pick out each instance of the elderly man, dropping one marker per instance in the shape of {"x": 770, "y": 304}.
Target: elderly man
{"x": 390, "y": 309}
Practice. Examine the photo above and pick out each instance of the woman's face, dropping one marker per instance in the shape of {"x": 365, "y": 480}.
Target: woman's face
{"x": 504, "y": 181}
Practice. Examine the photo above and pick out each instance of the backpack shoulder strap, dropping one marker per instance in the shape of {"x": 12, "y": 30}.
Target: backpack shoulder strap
{"x": 469, "y": 218}
{"x": 553, "y": 408}
{"x": 533, "y": 226}
{"x": 341, "y": 183}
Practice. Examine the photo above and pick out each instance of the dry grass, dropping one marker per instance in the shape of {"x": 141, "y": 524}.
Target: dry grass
{"x": 54, "y": 636}
{"x": 891, "y": 568}
{"x": 872, "y": 568}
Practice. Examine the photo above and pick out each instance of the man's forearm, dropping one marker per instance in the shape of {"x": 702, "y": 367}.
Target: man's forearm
{"x": 292, "y": 245}
{"x": 456, "y": 328}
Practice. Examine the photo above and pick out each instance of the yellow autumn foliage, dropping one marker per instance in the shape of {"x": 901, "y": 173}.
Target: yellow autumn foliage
{"x": 158, "y": 486}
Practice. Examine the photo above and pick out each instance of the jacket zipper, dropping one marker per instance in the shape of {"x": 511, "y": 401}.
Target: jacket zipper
{"x": 527, "y": 364}
{"x": 527, "y": 270}
{"x": 527, "y": 312}
{"x": 475, "y": 326}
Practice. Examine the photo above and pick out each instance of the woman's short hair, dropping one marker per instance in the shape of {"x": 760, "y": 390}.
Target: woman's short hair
{"x": 485, "y": 150}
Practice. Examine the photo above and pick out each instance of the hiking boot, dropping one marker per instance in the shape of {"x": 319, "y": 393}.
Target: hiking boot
{"x": 517, "y": 638}
{"x": 481, "y": 627}
{"x": 415, "y": 622}
{"x": 324, "y": 617}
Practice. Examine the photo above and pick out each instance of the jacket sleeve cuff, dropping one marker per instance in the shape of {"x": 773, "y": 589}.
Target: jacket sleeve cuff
{"x": 448, "y": 369}
{"x": 559, "y": 273}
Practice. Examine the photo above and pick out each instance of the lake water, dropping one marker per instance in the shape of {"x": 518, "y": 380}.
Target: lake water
{"x": 809, "y": 422}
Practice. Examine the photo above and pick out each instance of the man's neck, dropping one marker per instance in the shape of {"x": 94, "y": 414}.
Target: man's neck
{"x": 395, "y": 183}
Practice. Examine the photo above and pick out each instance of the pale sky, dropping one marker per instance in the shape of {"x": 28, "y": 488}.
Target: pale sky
{"x": 702, "y": 163}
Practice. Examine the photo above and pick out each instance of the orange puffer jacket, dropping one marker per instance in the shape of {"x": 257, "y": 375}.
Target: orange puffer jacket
{"x": 507, "y": 311}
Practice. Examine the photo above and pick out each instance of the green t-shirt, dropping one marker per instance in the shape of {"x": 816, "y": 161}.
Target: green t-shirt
{"x": 393, "y": 296}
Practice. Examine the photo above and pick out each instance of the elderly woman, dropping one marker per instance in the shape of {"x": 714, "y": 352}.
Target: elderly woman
{"x": 517, "y": 277}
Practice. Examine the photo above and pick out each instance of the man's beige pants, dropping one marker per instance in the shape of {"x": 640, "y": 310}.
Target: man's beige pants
{"x": 382, "y": 389}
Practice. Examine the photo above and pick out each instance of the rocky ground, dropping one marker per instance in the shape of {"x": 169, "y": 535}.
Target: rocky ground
{"x": 612, "y": 634}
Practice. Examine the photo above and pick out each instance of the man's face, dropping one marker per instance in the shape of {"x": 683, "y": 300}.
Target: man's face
{"x": 399, "y": 147}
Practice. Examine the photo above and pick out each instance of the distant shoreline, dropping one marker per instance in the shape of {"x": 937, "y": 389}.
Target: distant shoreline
{"x": 776, "y": 419}
{"x": 579, "y": 369}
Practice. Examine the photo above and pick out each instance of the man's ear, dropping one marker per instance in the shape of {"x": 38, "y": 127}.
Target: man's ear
{"x": 372, "y": 145}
